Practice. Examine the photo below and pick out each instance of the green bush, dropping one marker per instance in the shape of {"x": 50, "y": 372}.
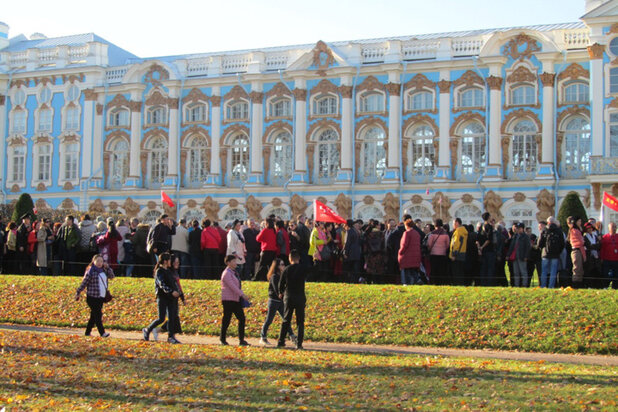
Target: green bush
{"x": 571, "y": 206}
{"x": 24, "y": 205}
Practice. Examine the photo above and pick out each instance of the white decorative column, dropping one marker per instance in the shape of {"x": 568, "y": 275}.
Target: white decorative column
{"x": 87, "y": 151}
{"x": 547, "y": 166}
{"x": 97, "y": 143}
{"x": 257, "y": 121}
{"x": 393, "y": 170}
{"x": 494, "y": 167}
{"x": 443, "y": 171}
{"x": 347, "y": 119}
{"x": 596, "y": 98}
{"x": 171, "y": 180}
{"x": 300, "y": 131}
{"x": 3, "y": 137}
{"x": 136, "y": 136}
{"x": 215, "y": 177}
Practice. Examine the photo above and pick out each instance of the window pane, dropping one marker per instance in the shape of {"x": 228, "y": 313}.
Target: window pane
{"x": 422, "y": 101}
{"x": 44, "y": 162}
{"x": 240, "y": 158}
{"x": 282, "y": 156}
{"x": 613, "y": 80}
{"x": 45, "y": 120}
{"x": 328, "y": 154}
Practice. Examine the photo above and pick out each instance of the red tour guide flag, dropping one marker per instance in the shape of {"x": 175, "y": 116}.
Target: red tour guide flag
{"x": 166, "y": 199}
{"x": 610, "y": 201}
{"x": 323, "y": 213}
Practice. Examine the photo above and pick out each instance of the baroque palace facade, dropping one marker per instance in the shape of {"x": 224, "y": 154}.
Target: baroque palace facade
{"x": 441, "y": 125}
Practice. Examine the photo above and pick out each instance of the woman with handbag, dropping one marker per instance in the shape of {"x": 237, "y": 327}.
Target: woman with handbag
{"x": 233, "y": 300}
{"x": 95, "y": 282}
{"x": 167, "y": 298}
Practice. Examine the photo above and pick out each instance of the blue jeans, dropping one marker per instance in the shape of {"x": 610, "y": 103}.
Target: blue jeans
{"x": 551, "y": 266}
{"x": 410, "y": 276}
{"x": 274, "y": 307}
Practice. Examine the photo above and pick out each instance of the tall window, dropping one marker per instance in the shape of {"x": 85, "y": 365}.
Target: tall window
{"x": 524, "y": 149}
{"x": 282, "y": 156}
{"x": 72, "y": 119}
{"x": 240, "y": 158}
{"x": 371, "y": 103}
{"x": 45, "y": 95}
{"x": 195, "y": 112}
{"x": 158, "y": 160}
{"x": 473, "y": 154}
{"x": 238, "y": 111}
{"x": 325, "y": 105}
{"x": 577, "y": 146}
{"x": 120, "y": 162}
{"x": 613, "y": 134}
{"x": 374, "y": 154}
{"x": 613, "y": 80}
{"x": 156, "y": 115}
{"x": 423, "y": 151}
{"x": 370, "y": 212}
{"x": 420, "y": 101}
{"x": 199, "y": 160}
{"x": 19, "y": 122}
{"x": 472, "y": 97}
{"x": 19, "y": 98}
{"x": 71, "y": 159}
{"x": 119, "y": 117}
{"x": 19, "y": 164}
{"x": 43, "y": 162}
{"x": 45, "y": 120}
{"x": 233, "y": 214}
{"x": 523, "y": 95}
{"x": 577, "y": 92}
{"x": 280, "y": 107}
{"x": 328, "y": 154}
{"x": 73, "y": 93}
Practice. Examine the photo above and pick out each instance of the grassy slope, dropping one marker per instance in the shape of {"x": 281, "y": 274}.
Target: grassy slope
{"x": 44, "y": 371}
{"x": 563, "y": 321}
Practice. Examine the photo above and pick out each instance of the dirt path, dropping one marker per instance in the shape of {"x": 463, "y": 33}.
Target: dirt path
{"x": 344, "y": 347}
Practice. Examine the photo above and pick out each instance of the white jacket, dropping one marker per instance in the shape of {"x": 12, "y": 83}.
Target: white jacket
{"x": 236, "y": 247}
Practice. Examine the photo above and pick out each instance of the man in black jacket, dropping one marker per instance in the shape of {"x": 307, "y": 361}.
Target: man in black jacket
{"x": 292, "y": 291}
{"x": 304, "y": 235}
{"x": 23, "y": 259}
{"x": 551, "y": 243}
{"x": 160, "y": 240}
{"x": 253, "y": 249}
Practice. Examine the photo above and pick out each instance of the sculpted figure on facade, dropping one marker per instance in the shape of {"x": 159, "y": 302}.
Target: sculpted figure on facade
{"x": 492, "y": 203}
{"x": 441, "y": 204}
{"x": 97, "y": 207}
{"x": 298, "y": 205}
{"x": 586, "y": 198}
{"x": 391, "y": 206}
{"x": 254, "y": 207}
{"x": 545, "y": 202}
{"x": 211, "y": 208}
{"x": 343, "y": 205}
{"x": 170, "y": 211}
{"x": 131, "y": 208}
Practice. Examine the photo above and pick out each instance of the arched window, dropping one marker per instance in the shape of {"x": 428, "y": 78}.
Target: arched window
{"x": 157, "y": 161}
{"x": 473, "y": 156}
{"x": 282, "y": 156}
{"x": 374, "y": 154}
{"x": 420, "y": 212}
{"x": 43, "y": 162}
{"x": 19, "y": 97}
{"x": 18, "y": 166}
{"x": 70, "y": 161}
{"x": 469, "y": 214}
{"x": 471, "y": 97}
{"x": 156, "y": 115}
{"x": 326, "y": 105}
{"x": 120, "y": 163}
{"x": 199, "y": 160}
{"x": 371, "y": 103}
{"x": 240, "y": 158}
{"x": 613, "y": 80}
{"x": 524, "y": 148}
{"x": 193, "y": 214}
{"x": 73, "y": 93}
{"x": 279, "y": 212}
{"x": 328, "y": 154}
{"x": 523, "y": 95}
{"x": 281, "y": 107}
{"x": 576, "y": 92}
{"x": 71, "y": 121}
{"x": 420, "y": 101}
{"x": 118, "y": 117}
{"x": 370, "y": 212}
{"x": 150, "y": 217}
{"x": 196, "y": 113}
{"x": 423, "y": 151}
{"x": 233, "y": 214}
{"x": 238, "y": 110}
{"x": 45, "y": 120}
{"x": 576, "y": 157}
{"x": 520, "y": 213}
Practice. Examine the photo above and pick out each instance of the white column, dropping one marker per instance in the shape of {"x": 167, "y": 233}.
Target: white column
{"x": 346, "y": 124}
{"x": 3, "y": 137}
{"x": 547, "y": 145}
{"x": 444, "y": 121}
{"x": 394, "y": 122}
{"x": 172, "y": 152}
{"x": 596, "y": 90}
{"x": 215, "y": 157}
{"x": 97, "y": 141}
{"x": 87, "y": 151}
{"x": 136, "y": 137}
{"x": 257, "y": 119}
{"x": 495, "y": 113}
{"x": 300, "y": 150}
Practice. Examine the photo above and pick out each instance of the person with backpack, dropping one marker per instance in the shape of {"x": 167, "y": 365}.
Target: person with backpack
{"x": 519, "y": 250}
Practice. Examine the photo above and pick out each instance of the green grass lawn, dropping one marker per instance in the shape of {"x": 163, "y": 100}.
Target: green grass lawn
{"x": 45, "y": 371}
{"x": 542, "y": 320}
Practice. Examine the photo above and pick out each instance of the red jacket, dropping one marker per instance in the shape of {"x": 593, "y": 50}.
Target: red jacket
{"x": 609, "y": 247}
{"x": 32, "y": 241}
{"x": 222, "y": 240}
{"x": 285, "y": 248}
{"x": 410, "y": 250}
{"x": 577, "y": 241}
{"x": 210, "y": 238}
{"x": 268, "y": 238}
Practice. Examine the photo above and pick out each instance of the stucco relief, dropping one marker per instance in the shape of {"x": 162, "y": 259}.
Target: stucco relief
{"x": 444, "y": 86}
{"x": 346, "y": 92}
{"x": 519, "y": 197}
{"x": 90, "y": 95}
{"x": 343, "y": 204}
{"x": 156, "y": 98}
{"x": 370, "y": 83}
{"x": 41, "y": 187}
{"x": 495, "y": 82}
{"x": 545, "y": 202}
{"x": 391, "y": 206}
{"x": 280, "y": 125}
{"x": 130, "y": 207}
{"x": 469, "y": 78}
{"x": 467, "y": 198}
{"x": 215, "y": 101}
{"x": 97, "y": 207}
{"x": 68, "y": 186}
{"x": 233, "y": 129}
{"x": 192, "y": 131}
{"x": 574, "y": 71}
{"x": 513, "y": 47}
{"x": 547, "y": 79}
{"x": 441, "y": 204}
{"x": 521, "y": 74}
{"x": 256, "y": 97}
{"x": 298, "y": 205}
{"x": 417, "y": 199}
{"x": 156, "y": 74}
{"x": 464, "y": 118}
{"x": 596, "y": 51}
{"x": 254, "y": 207}
{"x": 236, "y": 93}
{"x": 393, "y": 89}
{"x": 322, "y": 57}
{"x": 15, "y": 188}
{"x": 521, "y": 114}
{"x": 368, "y": 200}
{"x": 170, "y": 210}
{"x": 266, "y": 155}
{"x": 572, "y": 111}
{"x": 118, "y": 101}
{"x": 195, "y": 96}
{"x": 324, "y": 87}
{"x": 420, "y": 119}
{"x": 68, "y": 204}
{"x": 300, "y": 94}
{"x": 419, "y": 82}
{"x": 586, "y": 198}
{"x": 492, "y": 204}
{"x": 278, "y": 90}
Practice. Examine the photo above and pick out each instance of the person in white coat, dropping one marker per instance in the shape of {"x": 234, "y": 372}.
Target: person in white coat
{"x": 236, "y": 245}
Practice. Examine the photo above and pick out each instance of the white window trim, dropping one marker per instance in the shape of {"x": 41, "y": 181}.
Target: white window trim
{"x": 65, "y": 109}
{"x": 189, "y": 148}
{"x": 606, "y": 122}
{"x": 35, "y": 164}
{"x": 187, "y": 110}
{"x": 37, "y": 120}
{"x": 228, "y": 108}
{"x": 562, "y": 85}
{"x": 462, "y": 88}
{"x": 62, "y": 150}
{"x": 116, "y": 110}
{"x": 230, "y": 148}
{"x": 14, "y": 92}
{"x": 361, "y": 96}
{"x": 66, "y": 93}
{"x": 272, "y": 144}
{"x": 10, "y": 164}
{"x": 321, "y": 96}
{"x": 270, "y": 102}
{"x": 410, "y": 93}
{"x": 12, "y": 121}
{"x": 510, "y": 93}
{"x": 151, "y": 109}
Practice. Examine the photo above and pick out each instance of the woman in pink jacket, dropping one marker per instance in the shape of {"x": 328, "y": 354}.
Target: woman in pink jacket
{"x": 578, "y": 250}
{"x": 231, "y": 298}
{"x": 409, "y": 256}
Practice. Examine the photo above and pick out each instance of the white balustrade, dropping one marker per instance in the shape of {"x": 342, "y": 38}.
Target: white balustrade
{"x": 373, "y": 54}
{"x": 235, "y": 64}
{"x": 466, "y": 47}
{"x": 576, "y": 39}
{"x": 420, "y": 49}
{"x": 276, "y": 61}
{"x": 115, "y": 75}
{"x": 197, "y": 67}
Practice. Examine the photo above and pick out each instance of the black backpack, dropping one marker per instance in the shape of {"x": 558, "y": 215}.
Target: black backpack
{"x": 554, "y": 243}
{"x": 92, "y": 243}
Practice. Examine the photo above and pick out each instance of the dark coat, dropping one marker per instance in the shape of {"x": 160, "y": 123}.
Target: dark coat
{"x": 352, "y": 248}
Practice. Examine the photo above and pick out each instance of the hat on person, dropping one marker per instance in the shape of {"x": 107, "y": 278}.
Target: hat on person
{"x": 228, "y": 225}
{"x": 521, "y": 225}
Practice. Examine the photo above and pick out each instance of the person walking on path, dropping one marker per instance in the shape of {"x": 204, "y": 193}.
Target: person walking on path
{"x": 292, "y": 291}
{"x": 95, "y": 281}
{"x": 232, "y": 298}
{"x": 167, "y": 292}
{"x": 275, "y": 304}
{"x": 175, "y": 269}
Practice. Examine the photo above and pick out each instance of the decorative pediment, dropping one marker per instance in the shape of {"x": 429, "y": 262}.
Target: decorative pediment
{"x": 236, "y": 93}
{"x": 156, "y": 99}
{"x": 276, "y": 126}
{"x": 419, "y": 82}
{"x": 42, "y": 138}
{"x": 192, "y": 131}
{"x": 320, "y": 58}
{"x": 324, "y": 87}
{"x": 370, "y": 83}
{"x": 278, "y": 90}
{"x": 68, "y": 204}
{"x": 118, "y": 101}
{"x": 574, "y": 71}
{"x": 368, "y": 200}
{"x": 469, "y": 78}
{"x": 96, "y": 206}
{"x": 520, "y": 47}
{"x": 521, "y": 114}
{"x": 521, "y": 74}
{"x": 41, "y": 187}
{"x": 464, "y": 118}
{"x": 519, "y": 197}
{"x": 156, "y": 74}
{"x": 68, "y": 186}
{"x": 421, "y": 118}
{"x": 417, "y": 199}
{"x": 572, "y": 111}
{"x": 194, "y": 96}
{"x": 17, "y": 141}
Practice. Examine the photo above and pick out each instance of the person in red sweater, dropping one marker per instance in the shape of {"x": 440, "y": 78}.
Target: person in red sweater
{"x": 609, "y": 256}
{"x": 210, "y": 247}
{"x": 108, "y": 246}
{"x": 283, "y": 241}
{"x": 578, "y": 249}
{"x": 268, "y": 241}
{"x": 409, "y": 256}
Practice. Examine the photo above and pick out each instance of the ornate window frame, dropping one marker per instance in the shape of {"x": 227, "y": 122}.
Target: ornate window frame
{"x": 189, "y": 150}
{"x": 65, "y": 142}
{"x": 458, "y": 205}
{"x": 23, "y": 129}
{"x": 188, "y": 109}
{"x": 526, "y": 204}
{"x": 562, "y": 137}
{"x": 229, "y": 147}
{"x": 42, "y": 141}
{"x": 72, "y": 127}
{"x": 110, "y": 158}
{"x": 366, "y": 174}
{"x": 37, "y": 119}
{"x": 361, "y": 101}
{"x": 113, "y": 117}
{"x": 17, "y": 143}
{"x": 272, "y": 101}
{"x": 521, "y": 74}
{"x": 410, "y": 137}
{"x": 314, "y": 154}
{"x": 270, "y": 155}
{"x": 608, "y": 128}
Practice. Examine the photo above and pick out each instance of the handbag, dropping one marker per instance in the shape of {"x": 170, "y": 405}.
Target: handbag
{"x": 245, "y": 303}
{"x": 108, "y": 296}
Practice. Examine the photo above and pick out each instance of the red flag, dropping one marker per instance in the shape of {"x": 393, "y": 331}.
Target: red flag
{"x": 610, "y": 201}
{"x": 323, "y": 213}
{"x": 166, "y": 199}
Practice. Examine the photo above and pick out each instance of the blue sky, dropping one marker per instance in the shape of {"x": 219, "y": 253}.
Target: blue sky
{"x": 159, "y": 28}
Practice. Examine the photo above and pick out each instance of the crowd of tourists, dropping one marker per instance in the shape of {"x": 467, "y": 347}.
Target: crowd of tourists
{"x": 408, "y": 252}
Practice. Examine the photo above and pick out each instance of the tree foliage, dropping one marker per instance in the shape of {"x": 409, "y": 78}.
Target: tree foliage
{"x": 571, "y": 206}
{"x": 24, "y": 205}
